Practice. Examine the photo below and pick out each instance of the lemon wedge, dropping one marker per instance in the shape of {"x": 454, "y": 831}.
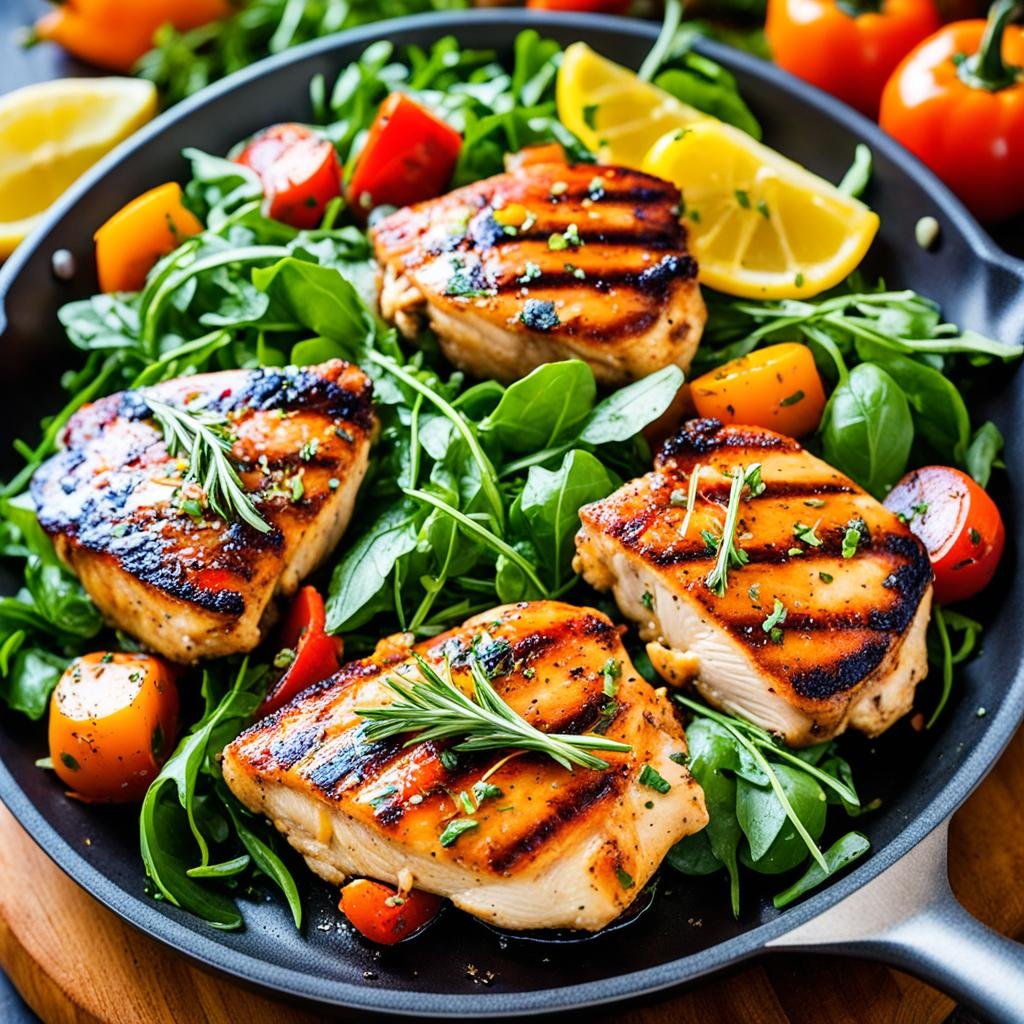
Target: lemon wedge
{"x": 615, "y": 114}
{"x": 761, "y": 226}
{"x": 52, "y": 132}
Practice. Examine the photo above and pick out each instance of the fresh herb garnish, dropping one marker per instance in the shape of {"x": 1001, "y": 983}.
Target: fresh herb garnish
{"x": 652, "y": 778}
{"x": 455, "y": 828}
{"x": 729, "y": 556}
{"x": 202, "y": 439}
{"x": 434, "y": 708}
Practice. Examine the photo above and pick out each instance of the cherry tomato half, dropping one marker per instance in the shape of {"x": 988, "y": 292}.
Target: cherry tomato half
{"x": 113, "y": 719}
{"x": 307, "y": 653}
{"x": 379, "y": 914}
{"x": 300, "y": 172}
{"x": 957, "y": 522}
{"x": 409, "y": 156}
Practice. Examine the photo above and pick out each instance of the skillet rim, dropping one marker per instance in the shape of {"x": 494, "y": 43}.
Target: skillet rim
{"x": 181, "y": 935}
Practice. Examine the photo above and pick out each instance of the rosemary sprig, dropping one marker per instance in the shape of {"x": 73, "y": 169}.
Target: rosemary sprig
{"x": 434, "y": 708}
{"x": 200, "y": 437}
{"x": 729, "y": 556}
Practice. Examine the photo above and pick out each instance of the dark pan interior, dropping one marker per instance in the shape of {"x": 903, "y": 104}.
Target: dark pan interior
{"x": 463, "y": 968}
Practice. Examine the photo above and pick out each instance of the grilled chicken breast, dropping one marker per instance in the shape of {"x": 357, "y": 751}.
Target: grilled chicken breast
{"x": 154, "y": 556}
{"x": 547, "y": 262}
{"x": 554, "y": 848}
{"x": 822, "y": 629}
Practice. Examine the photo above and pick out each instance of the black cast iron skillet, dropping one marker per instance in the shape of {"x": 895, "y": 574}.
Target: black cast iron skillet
{"x": 896, "y": 905}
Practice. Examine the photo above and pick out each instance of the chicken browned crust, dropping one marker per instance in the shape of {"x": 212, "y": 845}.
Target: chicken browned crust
{"x": 154, "y": 557}
{"x": 547, "y": 262}
{"x": 554, "y": 848}
{"x": 821, "y": 630}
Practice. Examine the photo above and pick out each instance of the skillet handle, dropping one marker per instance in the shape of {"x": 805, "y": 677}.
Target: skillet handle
{"x": 908, "y": 917}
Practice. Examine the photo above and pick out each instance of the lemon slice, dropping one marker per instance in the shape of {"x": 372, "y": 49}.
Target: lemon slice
{"x": 761, "y": 226}
{"x": 50, "y": 133}
{"x": 612, "y": 112}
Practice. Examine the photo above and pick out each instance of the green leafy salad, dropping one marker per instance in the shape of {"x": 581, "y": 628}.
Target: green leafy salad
{"x": 474, "y": 488}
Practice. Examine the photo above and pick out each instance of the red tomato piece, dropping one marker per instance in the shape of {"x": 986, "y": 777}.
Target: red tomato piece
{"x": 957, "y": 522}
{"x": 299, "y": 170}
{"x": 409, "y": 156}
{"x": 379, "y": 914}
{"x": 314, "y": 654}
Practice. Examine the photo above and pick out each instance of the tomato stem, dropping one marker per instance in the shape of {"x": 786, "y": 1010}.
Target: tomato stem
{"x": 986, "y": 69}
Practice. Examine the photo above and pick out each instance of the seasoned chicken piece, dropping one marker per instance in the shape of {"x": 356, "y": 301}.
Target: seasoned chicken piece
{"x": 152, "y": 553}
{"x": 544, "y": 263}
{"x": 547, "y": 848}
{"x": 821, "y": 629}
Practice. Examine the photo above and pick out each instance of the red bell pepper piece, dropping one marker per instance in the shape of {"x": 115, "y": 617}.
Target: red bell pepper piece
{"x": 314, "y": 654}
{"x": 409, "y": 156}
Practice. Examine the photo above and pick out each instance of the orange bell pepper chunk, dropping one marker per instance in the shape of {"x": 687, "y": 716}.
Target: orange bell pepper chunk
{"x": 777, "y": 387}
{"x": 149, "y": 227}
{"x": 113, "y": 34}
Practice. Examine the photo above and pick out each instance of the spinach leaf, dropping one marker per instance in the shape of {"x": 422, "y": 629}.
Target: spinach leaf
{"x": 317, "y": 298}
{"x": 624, "y": 413}
{"x": 867, "y": 429}
{"x": 938, "y": 411}
{"x": 362, "y": 573}
{"x": 33, "y": 676}
{"x": 550, "y": 504}
{"x": 775, "y": 844}
{"x": 546, "y": 407}
{"x": 712, "y": 753}
{"x": 843, "y": 852}
{"x": 983, "y": 452}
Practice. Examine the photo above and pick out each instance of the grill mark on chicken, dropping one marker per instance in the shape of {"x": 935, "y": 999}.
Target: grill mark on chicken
{"x": 361, "y": 762}
{"x": 652, "y": 281}
{"x": 847, "y": 617}
{"x": 379, "y": 809}
{"x": 561, "y": 813}
{"x": 155, "y": 557}
{"x": 633, "y": 308}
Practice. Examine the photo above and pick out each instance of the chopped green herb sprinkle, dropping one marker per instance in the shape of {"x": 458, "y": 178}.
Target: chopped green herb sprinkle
{"x": 807, "y": 534}
{"x": 776, "y": 618}
{"x": 625, "y": 878}
{"x": 653, "y": 779}
{"x": 850, "y": 541}
{"x": 647, "y": 600}
{"x": 825, "y": 577}
{"x": 797, "y": 396}
{"x": 611, "y": 672}
{"x": 455, "y": 828}
{"x": 530, "y": 273}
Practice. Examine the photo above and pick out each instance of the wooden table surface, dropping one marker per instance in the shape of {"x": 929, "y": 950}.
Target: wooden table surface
{"x": 76, "y": 963}
{"x": 73, "y": 961}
